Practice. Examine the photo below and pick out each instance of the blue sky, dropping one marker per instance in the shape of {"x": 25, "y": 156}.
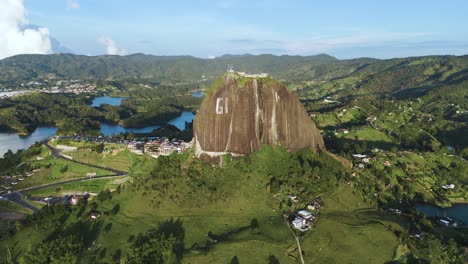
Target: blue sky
{"x": 345, "y": 29}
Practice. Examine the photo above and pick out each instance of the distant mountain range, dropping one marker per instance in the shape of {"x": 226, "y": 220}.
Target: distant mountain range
{"x": 177, "y": 68}
{"x": 371, "y": 74}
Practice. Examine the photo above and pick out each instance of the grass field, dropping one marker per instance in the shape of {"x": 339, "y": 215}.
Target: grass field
{"x": 56, "y": 173}
{"x": 116, "y": 159}
{"x": 92, "y": 186}
{"x": 346, "y": 231}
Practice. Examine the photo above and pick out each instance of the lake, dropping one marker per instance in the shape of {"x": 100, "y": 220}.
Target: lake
{"x": 457, "y": 211}
{"x": 15, "y": 142}
{"x": 115, "y": 101}
{"x": 197, "y": 94}
{"x": 108, "y": 129}
{"x": 179, "y": 122}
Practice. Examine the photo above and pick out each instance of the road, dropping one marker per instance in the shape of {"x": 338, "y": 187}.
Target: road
{"x": 17, "y": 196}
{"x": 297, "y": 240}
{"x": 56, "y": 154}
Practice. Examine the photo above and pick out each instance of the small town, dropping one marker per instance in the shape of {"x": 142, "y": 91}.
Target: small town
{"x": 153, "y": 146}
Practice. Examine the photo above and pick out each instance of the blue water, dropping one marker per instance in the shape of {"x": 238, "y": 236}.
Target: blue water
{"x": 108, "y": 129}
{"x": 179, "y": 122}
{"x": 115, "y": 101}
{"x": 457, "y": 211}
{"x": 15, "y": 142}
{"x": 197, "y": 94}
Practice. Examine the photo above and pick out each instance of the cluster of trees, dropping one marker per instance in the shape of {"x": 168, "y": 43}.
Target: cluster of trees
{"x": 10, "y": 161}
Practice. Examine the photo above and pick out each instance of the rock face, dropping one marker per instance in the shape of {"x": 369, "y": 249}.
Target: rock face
{"x": 243, "y": 113}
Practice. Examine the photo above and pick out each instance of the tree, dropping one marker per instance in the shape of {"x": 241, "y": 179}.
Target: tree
{"x": 273, "y": 260}
{"x": 99, "y": 148}
{"x": 64, "y": 169}
{"x": 157, "y": 249}
{"x": 235, "y": 260}
{"x": 58, "y": 251}
{"x": 254, "y": 223}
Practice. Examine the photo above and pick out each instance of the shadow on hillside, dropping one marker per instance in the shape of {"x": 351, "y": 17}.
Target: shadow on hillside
{"x": 86, "y": 231}
{"x": 348, "y": 145}
{"x": 222, "y": 237}
{"x": 350, "y": 124}
{"x": 174, "y": 227}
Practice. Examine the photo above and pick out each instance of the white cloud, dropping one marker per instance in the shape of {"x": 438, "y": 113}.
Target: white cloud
{"x": 72, "y": 4}
{"x": 111, "y": 47}
{"x": 16, "y": 40}
{"x": 309, "y": 46}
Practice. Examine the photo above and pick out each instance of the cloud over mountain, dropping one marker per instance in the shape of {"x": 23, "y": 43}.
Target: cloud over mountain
{"x": 111, "y": 46}
{"x": 16, "y": 40}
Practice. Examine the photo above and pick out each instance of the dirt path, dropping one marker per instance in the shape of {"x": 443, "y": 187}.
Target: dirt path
{"x": 297, "y": 240}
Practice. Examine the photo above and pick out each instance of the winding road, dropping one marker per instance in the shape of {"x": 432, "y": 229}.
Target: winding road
{"x": 17, "y": 196}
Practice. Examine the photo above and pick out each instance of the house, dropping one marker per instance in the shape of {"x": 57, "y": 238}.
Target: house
{"x": 359, "y": 156}
{"x": 394, "y": 211}
{"x": 74, "y": 200}
{"x": 298, "y": 223}
{"x": 449, "y": 186}
{"x": 444, "y": 222}
{"x": 304, "y": 214}
{"x": 387, "y": 163}
{"x": 94, "y": 215}
{"x": 293, "y": 198}
{"x": 166, "y": 149}
{"x": 365, "y": 160}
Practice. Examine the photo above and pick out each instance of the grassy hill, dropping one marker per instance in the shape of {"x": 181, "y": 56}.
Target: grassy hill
{"x": 213, "y": 215}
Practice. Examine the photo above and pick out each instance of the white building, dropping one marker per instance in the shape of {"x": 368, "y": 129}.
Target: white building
{"x": 298, "y": 223}
{"x": 304, "y": 214}
{"x": 448, "y": 186}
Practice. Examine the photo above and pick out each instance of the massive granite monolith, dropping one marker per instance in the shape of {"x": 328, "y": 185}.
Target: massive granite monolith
{"x": 241, "y": 114}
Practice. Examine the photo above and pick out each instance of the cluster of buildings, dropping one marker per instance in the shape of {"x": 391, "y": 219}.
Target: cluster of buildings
{"x": 66, "y": 200}
{"x": 70, "y": 86}
{"x": 361, "y": 160}
{"x": 248, "y": 75}
{"x": 155, "y": 147}
{"x": 304, "y": 219}
{"x": 256, "y": 75}
{"x": 8, "y": 180}
{"x": 158, "y": 147}
{"x": 448, "y": 222}
{"x": 5, "y": 93}
{"x": 60, "y": 86}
